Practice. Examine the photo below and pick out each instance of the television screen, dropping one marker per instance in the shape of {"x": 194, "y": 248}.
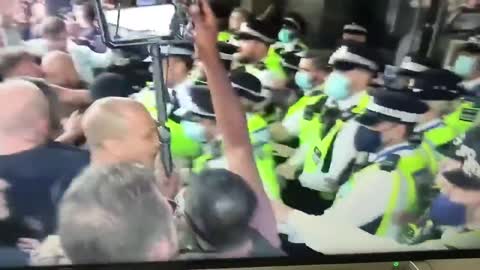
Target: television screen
{"x": 309, "y": 133}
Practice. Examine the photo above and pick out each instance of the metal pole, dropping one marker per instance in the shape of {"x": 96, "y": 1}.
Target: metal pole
{"x": 161, "y": 102}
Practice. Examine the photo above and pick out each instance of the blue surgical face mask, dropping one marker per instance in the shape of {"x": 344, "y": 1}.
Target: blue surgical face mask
{"x": 285, "y": 35}
{"x": 464, "y": 66}
{"x": 337, "y": 86}
{"x": 447, "y": 213}
{"x": 304, "y": 80}
{"x": 367, "y": 140}
{"x": 194, "y": 131}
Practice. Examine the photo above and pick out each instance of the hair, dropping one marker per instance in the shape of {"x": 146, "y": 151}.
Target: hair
{"x": 189, "y": 61}
{"x": 221, "y": 205}
{"x": 113, "y": 214}
{"x": 110, "y": 85}
{"x": 53, "y": 26}
{"x": 10, "y": 57}
{"x": 88, "y": 8}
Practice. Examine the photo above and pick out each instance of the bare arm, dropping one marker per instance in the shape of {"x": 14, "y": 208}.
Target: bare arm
{"x": 75, "y": 98}
{"x": 231, "y": 119}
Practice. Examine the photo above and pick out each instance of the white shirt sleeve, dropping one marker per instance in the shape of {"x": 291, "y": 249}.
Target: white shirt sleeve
{"x": 343, "y": 153}
{"x": 292, "y": 123}
{"x": 333, "y": 237}
{"x": 364, "y": 204}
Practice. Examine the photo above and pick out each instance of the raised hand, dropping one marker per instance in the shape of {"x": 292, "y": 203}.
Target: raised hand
{"x": 205, "y": 31}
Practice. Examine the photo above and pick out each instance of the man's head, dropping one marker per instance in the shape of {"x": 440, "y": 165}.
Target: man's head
{"x": 354, "y": 66}
{"x": 218, "y": 206}
{"x": 237, "y": 17}
{"x": 389, "y": 120}
{"x": 459, "y": 179}
{"x": 60, "y": 70}
{"x": 178, "y": 64}
{"x": 116, "y": 214}
{"x": 84, "y": 12}
{"x": 313, "y": 70}
{"x": 110, "y": 85}
{"x": 255, "y": 38}
{"x": 201, "y": 126}
{"x": 354, "y": 32}
{"x": 120, "y": 130}
{"x": 25, "y": 114}
{"x": 54, "y": 31}
{"x": 293, "y": 27}
{"x": 467, "y": 62}
{"x": 4, "y": 208}
{"x": 16, "y": 62}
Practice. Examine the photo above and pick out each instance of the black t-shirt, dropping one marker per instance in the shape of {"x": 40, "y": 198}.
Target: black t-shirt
{"x": 38, "y": 178}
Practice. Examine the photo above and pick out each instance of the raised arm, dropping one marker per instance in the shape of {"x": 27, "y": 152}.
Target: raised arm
{"x": 231, "y": 118}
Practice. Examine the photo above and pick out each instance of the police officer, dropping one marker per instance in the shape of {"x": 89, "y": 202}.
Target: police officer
{"x": 467, "y": 66}
{"x": 313, "y": 70}
{"x": 177, "y": 66}
{"x": 236, "y": 19}
{"x": 355, "y": 32}
{"x": 452, "y": 221}
{"x": 289, "y": 37}
{"x": 439, "y": 89}
{"x": 387, "y": 186}
{"x": 329, "y": 154}
{"x": 411, "y": 65}
{"x": 457, "y": 210}
{"x": 202, "y": 128}
{"x": 255, "y": 57}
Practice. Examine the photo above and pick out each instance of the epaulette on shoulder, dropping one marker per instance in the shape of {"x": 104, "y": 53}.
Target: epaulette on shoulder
{"x": 390, "y": 163}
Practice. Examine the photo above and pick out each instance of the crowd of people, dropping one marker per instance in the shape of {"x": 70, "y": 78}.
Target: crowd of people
{"x": 278, "y": 149}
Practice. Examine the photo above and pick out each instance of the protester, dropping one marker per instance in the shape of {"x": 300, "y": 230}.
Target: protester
{"x": 59, "y": 69}
{"x": 15, "y": 62}
{"x": 114, "y": 214}
{"x": 120, "y": 130}
{"x": 84, "y": 30}
{"x": 55, "y": 37}
{"x": 24, "y": 133}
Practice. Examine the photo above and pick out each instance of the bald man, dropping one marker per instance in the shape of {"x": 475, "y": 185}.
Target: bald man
{"x": 36, "y": 169}
{"x": 59, "y": 69}
{"x": 120, "y": 130}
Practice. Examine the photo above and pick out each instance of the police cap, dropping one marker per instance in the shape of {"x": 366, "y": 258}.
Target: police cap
{"x": 354, "y": 55}
{"x": 247, "y": 86}
{"x": 436, "y": 84}
{"x": 295, "y": 21}
{"x": 291, "y": 61}
{"x": 355, "y": 29}
{"x": 202, "y": 105}
{"x": 392, "y": 106}
{"x": 260, "y": 30}
{"x": 465, "y": 149}
{"x": 227, "y": 50}
{"x": 413, "y": 64}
